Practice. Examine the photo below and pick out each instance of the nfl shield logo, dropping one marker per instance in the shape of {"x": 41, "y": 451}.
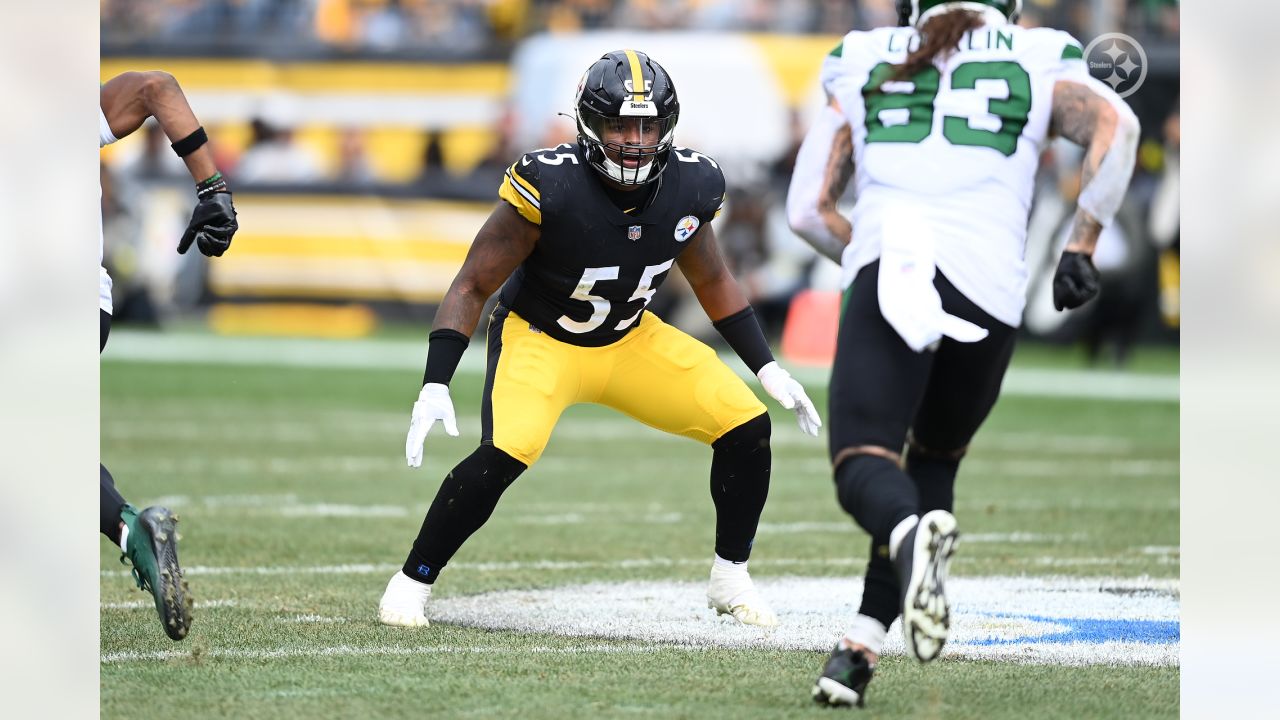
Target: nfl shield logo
{"x": 633, "y": 232}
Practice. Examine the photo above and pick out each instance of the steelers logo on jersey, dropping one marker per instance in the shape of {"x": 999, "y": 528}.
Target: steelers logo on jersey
{"x": 687, "y": 226}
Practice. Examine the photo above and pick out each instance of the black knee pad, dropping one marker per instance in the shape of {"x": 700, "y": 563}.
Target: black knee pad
{"x": 487, "y": 465}
{"x": 750, "y": 435}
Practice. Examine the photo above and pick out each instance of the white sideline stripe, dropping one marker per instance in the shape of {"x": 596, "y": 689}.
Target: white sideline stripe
{"x": 625, "y": 564}
{"x": 152, "y": 347}
{"x": 385, "y": 650}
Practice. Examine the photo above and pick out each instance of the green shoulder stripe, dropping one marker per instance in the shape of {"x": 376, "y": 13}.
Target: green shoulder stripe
{"x": 838, "y": 50}
{"x": 1072, "y": 52}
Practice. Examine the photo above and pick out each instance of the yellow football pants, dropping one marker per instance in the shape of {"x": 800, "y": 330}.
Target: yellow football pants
{"x": 656, "y": 374}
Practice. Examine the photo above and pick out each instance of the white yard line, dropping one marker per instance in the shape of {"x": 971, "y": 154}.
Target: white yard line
{"x": 624, "y": 564}
{"x": 150, "y": 604}
{"x": 355, "y": 651}
{"x": 151, "y": 347}
{"x": 1052, "y": 620}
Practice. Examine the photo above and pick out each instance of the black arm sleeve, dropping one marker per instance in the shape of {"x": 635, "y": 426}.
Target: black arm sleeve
{"x": 444, "y": 351}
{"x": 744, "y": 335}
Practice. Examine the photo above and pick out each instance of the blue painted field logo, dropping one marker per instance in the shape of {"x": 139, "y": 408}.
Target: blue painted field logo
{"x": 1119, "y": 61}
{"x": 1056, "y": 621}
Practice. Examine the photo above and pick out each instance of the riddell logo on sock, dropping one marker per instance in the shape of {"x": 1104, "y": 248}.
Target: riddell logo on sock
{"x": 424, "y": 571}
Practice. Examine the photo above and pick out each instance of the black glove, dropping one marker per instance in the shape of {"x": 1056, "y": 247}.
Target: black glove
{"x": 213, "y": 222}
{"x": 1076, "y": 281}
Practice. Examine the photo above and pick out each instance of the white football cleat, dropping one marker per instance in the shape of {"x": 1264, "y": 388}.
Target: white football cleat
{"x": 922, "y": 562}
{"x": 731, "y": 592}
{"x": 404, "y": 603}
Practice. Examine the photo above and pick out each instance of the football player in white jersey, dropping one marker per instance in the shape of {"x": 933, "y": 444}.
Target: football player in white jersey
{"x": 148, "y": 538}
{"x": 940, "y": 123}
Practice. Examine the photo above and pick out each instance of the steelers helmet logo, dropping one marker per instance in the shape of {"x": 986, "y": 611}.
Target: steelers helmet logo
{"x": 687, "y": 226}
{"x": 1119, "y": 61}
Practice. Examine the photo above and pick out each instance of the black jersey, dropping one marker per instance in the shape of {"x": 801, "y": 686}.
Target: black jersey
{"x": 596, "y": 266}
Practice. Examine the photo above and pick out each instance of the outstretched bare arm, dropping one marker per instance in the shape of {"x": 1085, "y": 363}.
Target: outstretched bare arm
{"x": 1108, "y": 131}
{"x": 130, "y": 98}
{"x": 823, "y": 168}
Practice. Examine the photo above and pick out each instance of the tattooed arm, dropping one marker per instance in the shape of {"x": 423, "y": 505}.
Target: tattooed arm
{"x": 502, "y": 243}
{"x": 823, "y": 167}
{"x": 1092, "y": 116}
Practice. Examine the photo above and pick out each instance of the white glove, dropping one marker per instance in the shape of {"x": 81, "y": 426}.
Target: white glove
{"x": 433, "y": 404}
{"x": 788, "y": 392}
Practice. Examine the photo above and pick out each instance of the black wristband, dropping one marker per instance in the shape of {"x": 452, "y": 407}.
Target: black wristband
{"x": 190, "y": 143}
{"x": 744, "y": 335}
{"x": 444, "y": 352}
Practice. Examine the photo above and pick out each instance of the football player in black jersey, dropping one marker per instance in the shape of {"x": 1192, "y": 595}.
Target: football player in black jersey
{"x": 584, "y": 236}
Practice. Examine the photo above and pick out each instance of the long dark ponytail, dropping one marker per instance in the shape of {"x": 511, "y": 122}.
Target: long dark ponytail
{"x": 939, "y": 36}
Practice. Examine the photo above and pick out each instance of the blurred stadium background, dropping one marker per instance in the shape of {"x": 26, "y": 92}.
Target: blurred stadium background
{"x": 365, "y": 140}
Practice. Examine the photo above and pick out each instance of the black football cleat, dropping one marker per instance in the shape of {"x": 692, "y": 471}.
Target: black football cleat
{"x": 152, "y": 547}
{"x": 844, "y": 679}
{"x": 921, "y": 563}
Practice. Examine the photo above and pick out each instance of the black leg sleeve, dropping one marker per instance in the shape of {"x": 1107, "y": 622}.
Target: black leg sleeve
{"x": 935, "y": 479}
{"x": 464, "y": 502}
{"x": 881, "y": 597}
{"x": 740, "y": 465}
{"x": 109, "y": 505}
{"x": 876, "y": 493}
{"x": 104, "y": 328}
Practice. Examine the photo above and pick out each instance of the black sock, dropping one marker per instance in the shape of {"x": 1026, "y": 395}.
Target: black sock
{"x": 464, "y": 502}
{"x": 740, "y": 465}
{"x": 110, "y": 503}
{"x": 935, "y": 479}
{"x": 876, "y": 492}
{"x": 880, "y": 590}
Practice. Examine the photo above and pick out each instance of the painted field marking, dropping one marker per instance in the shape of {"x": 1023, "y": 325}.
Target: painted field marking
{"x": 151, "y": 347}
{"x": 357, "y": 651}
{"x": 1059, "y": 621}
{"x": 1015, "y": 619}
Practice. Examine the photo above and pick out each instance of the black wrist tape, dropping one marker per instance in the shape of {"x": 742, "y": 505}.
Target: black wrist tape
{"x": 190, "y": 143}
{"x": 444, "y": 352}
{"x": 744, "y": 335}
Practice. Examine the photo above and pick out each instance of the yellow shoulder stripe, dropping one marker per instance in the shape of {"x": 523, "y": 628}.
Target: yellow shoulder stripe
{"x": 515, "y": 193}
{"x": 537, "y": 196}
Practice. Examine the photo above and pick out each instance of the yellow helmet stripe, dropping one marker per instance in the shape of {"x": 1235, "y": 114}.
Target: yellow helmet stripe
{"x": 637, "y": 77}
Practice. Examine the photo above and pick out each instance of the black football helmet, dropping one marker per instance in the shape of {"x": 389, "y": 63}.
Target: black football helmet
{"x": 911, "y": 12}
{"x": 626, "y": 110}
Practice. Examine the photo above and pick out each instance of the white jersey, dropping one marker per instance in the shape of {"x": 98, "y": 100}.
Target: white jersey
{"x": 956, "y": 147}
{"x": 105, "y": 137}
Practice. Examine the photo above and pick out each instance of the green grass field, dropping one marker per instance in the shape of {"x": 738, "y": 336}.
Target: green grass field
{"x": 296, "y": 507}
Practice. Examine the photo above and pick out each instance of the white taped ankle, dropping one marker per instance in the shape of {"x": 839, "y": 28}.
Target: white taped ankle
{"x": 867, "y": 632}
